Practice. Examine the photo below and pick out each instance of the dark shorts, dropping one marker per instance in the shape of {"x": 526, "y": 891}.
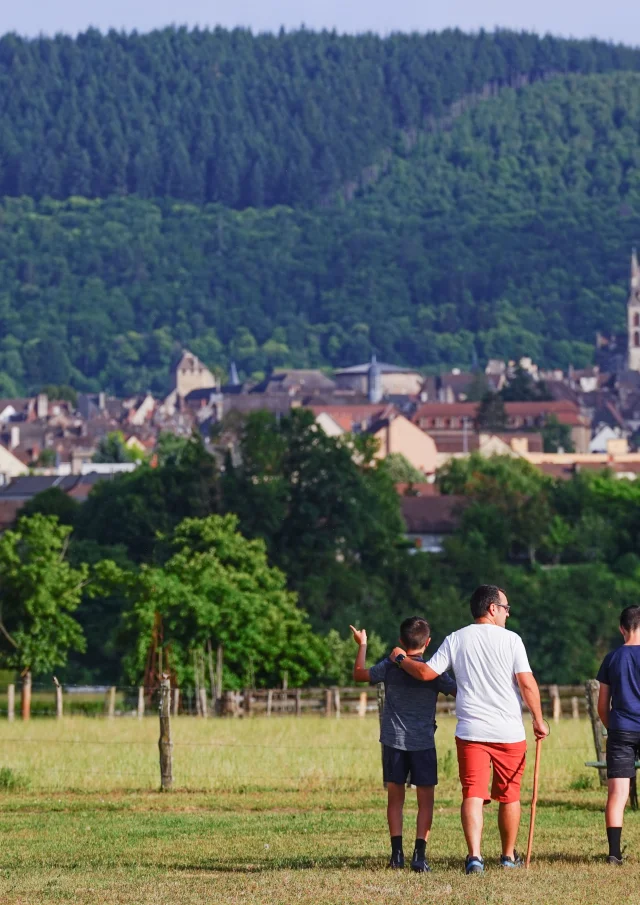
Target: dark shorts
{"x": 623, "y": 749}
{"x": 420, "y": 766}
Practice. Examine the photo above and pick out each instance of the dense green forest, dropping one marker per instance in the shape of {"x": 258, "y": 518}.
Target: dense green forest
{"x": 507, "y": 234}
{"x": 244, "y": 120}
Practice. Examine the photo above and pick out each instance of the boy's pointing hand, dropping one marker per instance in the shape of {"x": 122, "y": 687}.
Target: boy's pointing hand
{"x": 359, "y": 635}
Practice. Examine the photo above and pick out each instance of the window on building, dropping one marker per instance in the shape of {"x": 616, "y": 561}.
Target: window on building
{"x": 636, "y": 339}
{"x": 636, "y": 320}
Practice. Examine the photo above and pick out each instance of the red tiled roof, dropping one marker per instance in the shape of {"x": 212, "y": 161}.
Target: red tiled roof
{"x": 348, "y": 415}
{"x": 420, "y": 488}
{"x": 565, "y": 410}
{"x": 432, "y": 514}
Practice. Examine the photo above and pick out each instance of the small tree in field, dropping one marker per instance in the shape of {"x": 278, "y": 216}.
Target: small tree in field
{"x": 217, "y": 586}
{"x": 39, "y": 591}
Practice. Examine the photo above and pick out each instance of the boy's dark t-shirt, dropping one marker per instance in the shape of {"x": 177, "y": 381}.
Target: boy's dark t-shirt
{"x": 620, "y": 670}
{"x": 409, "y": 716}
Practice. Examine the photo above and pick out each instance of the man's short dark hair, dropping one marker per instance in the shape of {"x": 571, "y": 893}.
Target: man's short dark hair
{"x": 630, "y": 618}
{"x": 482, "y": 598}
{"x": 414, "y": 632}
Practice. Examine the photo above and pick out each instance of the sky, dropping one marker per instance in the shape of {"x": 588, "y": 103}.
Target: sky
{"x": 616, "y": 20}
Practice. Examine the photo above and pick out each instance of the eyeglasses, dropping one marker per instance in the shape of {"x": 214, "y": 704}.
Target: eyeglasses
{"x": 505, "y": 606}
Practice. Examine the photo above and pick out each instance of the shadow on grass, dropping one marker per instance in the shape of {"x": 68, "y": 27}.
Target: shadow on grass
{"x": 369, "y": 863}
{"x": 567, "y": 804}
{"x": 331, "y": 862}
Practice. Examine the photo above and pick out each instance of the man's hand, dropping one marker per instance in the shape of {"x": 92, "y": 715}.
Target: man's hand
{"x": 359, "y": 635}
{"x": 394, "y": 653}
{"x": 540, "y": 729}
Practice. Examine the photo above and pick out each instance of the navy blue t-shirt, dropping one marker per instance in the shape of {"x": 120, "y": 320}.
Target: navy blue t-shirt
{"x": 620, "y": 670}
{"x": 409, "y": 714}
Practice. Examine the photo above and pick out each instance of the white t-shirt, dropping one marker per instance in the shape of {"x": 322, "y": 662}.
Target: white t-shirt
{"x": 485, "y": 659}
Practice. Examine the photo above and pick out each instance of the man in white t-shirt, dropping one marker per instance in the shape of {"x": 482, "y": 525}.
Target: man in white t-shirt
{"x": 491, "y": 669}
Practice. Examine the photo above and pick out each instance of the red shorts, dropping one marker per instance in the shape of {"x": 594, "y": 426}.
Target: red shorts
{"x": 475, "y": 760}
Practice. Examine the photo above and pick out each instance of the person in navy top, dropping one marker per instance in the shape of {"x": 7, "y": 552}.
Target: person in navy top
{"x": 619, "y": 710}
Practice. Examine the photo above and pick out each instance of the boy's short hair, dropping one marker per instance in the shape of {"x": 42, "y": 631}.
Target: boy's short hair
{"x": 414, "y": 632}
{"x": 630, "y": 618}
{"x": 482, "y": 598}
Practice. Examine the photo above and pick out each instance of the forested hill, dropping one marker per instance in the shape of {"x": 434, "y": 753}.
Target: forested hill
{"x": 509, "y": 234}
{"x": 245, "y": 120}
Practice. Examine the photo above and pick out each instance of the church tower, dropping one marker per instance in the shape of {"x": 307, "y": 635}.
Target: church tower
{"x": 633, "y": 316}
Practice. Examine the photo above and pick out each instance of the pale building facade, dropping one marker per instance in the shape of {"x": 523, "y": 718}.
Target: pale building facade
{"x": 192, "y": 374}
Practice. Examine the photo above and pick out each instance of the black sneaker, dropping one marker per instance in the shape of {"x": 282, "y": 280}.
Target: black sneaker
{"x": 516, "y": 861}
{"x": 396, "y": 861}
{"x": 473, "y": 865}
{"x": 612, "y": 859}
{"x": 419, "y": 863}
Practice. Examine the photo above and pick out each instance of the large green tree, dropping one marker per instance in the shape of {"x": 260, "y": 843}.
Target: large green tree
{"x": 133, "y": 509}
{"x": 217, "y": 587}
{"x": 40, "y": 593}
{"x": 326, "y": 509}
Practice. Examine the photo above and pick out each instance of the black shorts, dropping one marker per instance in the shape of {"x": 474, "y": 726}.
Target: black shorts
{"x": 623, "y": 749}
{"x": 420, "y": 766}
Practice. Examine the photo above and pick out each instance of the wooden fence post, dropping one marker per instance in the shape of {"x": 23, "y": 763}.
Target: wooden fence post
{"x": 165, "y": 744}
{"x": 204, "y": 709}
{"x": 575, "y": 708}
{"x": 26, "y": 696}
{"x": 328, "y": 702}
{"x": 336, "y": 702}
{"x": 269, "y": 701}
{"x": 556, "y": 708}
{"x": 196, "y": 683}
{"x": 11, "y": 702}
{"x": 111, "y": 702}
{"x": 219, "y": 667}
{"x": 298, "y": 702}
{"x": 362, "y": 704}
{"x": 380, "y": 712}
{"x": 140, "y": 702}
{"x": 212, "y": 676}
{"x": 592, "y": 688}
{"x": 247, "y": 702}
{"x": 58, "y": 698}
{"x": 176, "y": 701}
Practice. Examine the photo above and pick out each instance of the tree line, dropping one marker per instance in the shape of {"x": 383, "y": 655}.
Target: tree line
{"x": 244, "y": 120}
{"x": 274, "y": 544}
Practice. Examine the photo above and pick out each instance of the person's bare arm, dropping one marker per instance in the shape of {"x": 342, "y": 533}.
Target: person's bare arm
{"x": 360, "y": 672}
{"x": 604, "y": 704}
{"x": 414, "y": 668}
{"x": 531, "y": 696}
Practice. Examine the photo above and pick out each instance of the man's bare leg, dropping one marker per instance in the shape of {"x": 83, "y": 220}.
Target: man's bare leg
{"x": 472, "y": 823}
{"x": 508, "y": 824}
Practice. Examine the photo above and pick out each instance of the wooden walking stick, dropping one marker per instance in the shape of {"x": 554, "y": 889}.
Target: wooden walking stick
{"x": 534, "y": 801}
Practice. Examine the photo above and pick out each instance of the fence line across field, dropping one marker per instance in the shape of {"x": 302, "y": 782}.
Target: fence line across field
{"x": 111, "y": 701}
{"x": 333, "y": 700}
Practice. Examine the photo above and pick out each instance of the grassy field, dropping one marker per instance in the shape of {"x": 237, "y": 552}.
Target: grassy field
{"x": 272, "y": 811}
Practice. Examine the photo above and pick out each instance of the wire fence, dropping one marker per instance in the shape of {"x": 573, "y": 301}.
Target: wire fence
{"x": 333, "y": 747}
{"x": 110, "y": 701}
